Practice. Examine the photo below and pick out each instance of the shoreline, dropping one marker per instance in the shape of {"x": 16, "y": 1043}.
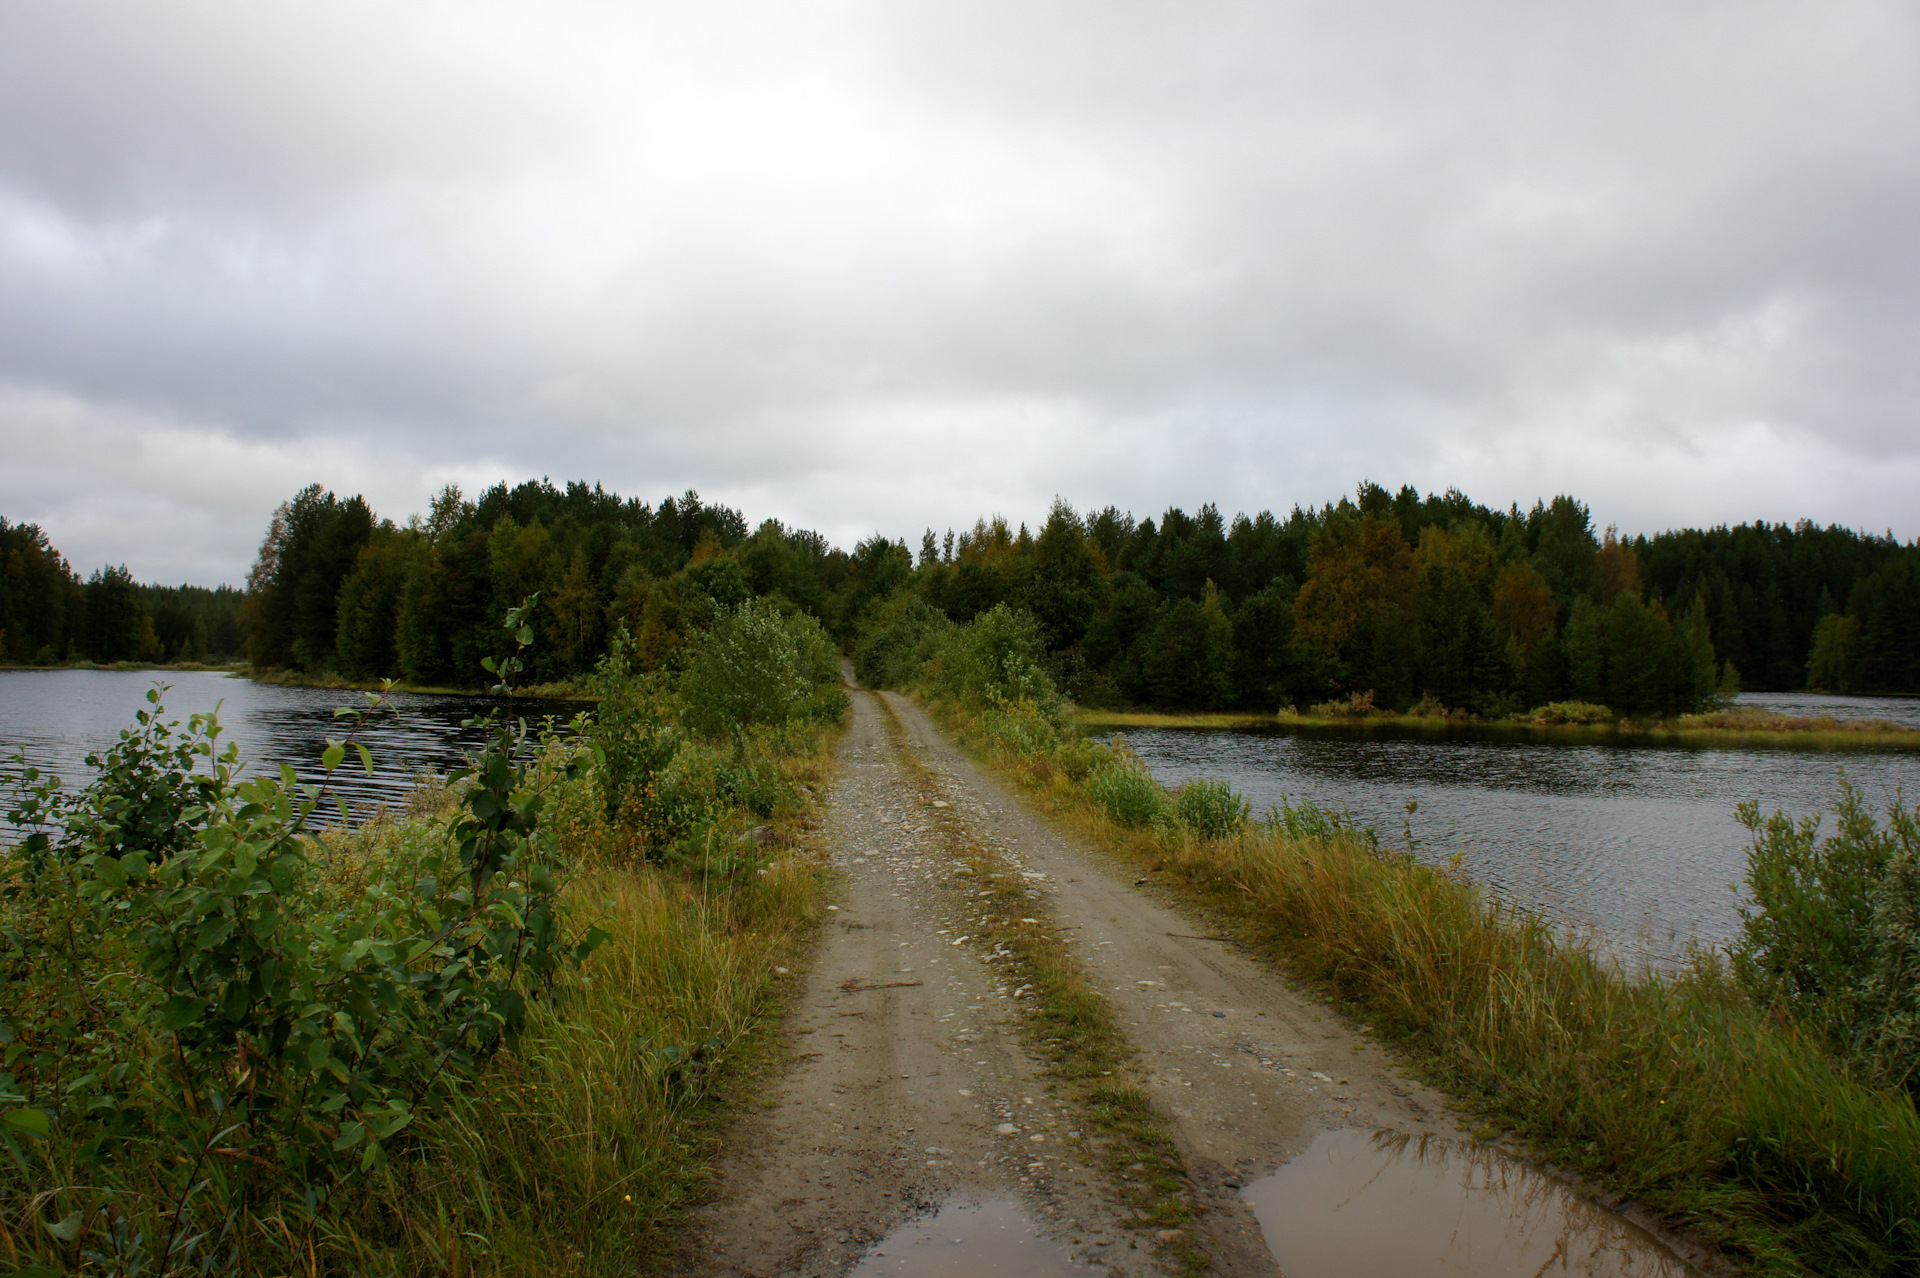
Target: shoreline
{"x": 558, "y": 691}
{"x": 1767, "y": 731}
{"x": 562, "y": 690}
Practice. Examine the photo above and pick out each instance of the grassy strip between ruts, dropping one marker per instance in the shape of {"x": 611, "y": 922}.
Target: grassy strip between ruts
{"x": 1070, "y": 1025}
{"x": 1675, "y": 1091}
{"x": 1732, "y": 730}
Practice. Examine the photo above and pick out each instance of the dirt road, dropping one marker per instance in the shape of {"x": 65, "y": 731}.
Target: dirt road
{"x": 913, "y": 1087}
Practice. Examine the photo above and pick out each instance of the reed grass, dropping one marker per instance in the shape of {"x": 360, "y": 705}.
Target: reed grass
{"x": 1670, "y": 1089}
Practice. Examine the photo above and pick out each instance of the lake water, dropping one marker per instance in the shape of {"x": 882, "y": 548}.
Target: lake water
{"x": 1634, "y": 846}
{"x": 57, "y": 717}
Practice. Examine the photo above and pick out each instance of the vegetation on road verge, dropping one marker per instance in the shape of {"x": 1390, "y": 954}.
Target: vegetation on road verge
{"x": 1693, "y": 1093}
{"x": 489, "y": 1035}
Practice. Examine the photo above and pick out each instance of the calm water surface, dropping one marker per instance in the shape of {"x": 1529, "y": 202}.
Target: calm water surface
{"x": 57, "y": 717}
{"x": 1634, "y": 846}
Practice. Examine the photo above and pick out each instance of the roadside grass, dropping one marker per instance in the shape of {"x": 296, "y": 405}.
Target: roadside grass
{"x": 1674, "y": 1091}
{"x": 606, "y": 1116}
{"x": 595, "y": 1137}
{"x": 1731, "y": 729}
{"x": 587, "y": 1136}
{"x": 1070, "y": 1025}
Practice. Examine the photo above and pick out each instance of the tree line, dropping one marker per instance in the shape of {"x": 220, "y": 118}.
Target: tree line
{"x": 336, "y": 589}
{"x": 50, "y": 616}
{"x": 1433, "y": 601}
{"x": 1413, "y": 598}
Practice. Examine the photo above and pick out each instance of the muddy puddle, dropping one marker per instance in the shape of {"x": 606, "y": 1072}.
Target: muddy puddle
{"x": 992, "y": 1237}
{"x": 1360, "y": 1204}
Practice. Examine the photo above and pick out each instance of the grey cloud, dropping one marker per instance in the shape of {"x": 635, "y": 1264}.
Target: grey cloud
{"x": 879, "y": 266}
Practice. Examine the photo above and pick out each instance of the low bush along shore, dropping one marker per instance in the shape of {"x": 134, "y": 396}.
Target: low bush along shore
{"x": 491, "y": 1033}
{"x": 1760, "y": 1097}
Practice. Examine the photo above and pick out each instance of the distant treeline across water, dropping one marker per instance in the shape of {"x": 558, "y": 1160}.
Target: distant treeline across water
{"x": 49, "y": 616}
{"x": 1409, "y": 598}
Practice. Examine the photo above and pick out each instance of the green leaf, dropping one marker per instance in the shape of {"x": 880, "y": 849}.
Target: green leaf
{"x": 331, "y": 756}
{"x": 366, "y": 759}
{"x": 31, "y": 1122}
{"x": 524, "y": 636}
{"x": 181, "y": 1011}
{"x": 111, "y": 874}
{"x": 350, "y": 1136}
{"x": 69, "y": 1227}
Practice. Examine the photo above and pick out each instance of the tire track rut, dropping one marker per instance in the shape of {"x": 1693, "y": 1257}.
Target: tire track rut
{"x": 911, "y": 1086}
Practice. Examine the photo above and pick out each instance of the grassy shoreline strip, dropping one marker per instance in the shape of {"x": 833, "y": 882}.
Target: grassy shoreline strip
{"x": 1779, "y": 732}
{"x": 1675, "y": 1092}
{"x": 1072, "y": 1029}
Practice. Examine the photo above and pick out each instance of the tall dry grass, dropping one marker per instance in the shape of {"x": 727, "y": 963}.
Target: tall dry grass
{"x": 597, "y": 1129}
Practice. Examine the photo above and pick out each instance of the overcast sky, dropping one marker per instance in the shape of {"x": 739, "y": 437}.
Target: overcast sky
{"x": 874, "y": 267}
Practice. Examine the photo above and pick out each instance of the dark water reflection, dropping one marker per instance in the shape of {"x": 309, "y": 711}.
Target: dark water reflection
{"x": 57, "y": 717}
{"x": 1636, "y": 846}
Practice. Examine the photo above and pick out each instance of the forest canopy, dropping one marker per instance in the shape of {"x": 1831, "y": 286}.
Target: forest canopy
{"x": 1414, "y": 599}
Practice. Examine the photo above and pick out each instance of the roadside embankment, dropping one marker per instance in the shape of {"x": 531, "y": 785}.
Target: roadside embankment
{"x": 1676, "y": 1093}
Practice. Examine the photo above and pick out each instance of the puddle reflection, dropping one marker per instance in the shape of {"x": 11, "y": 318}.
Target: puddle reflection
{"x": 991, "y": 1237}
{"x": 1358, "y": 1204}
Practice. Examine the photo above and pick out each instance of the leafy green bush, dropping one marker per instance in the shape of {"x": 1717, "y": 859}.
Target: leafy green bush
{"x": 634, "y": 735}
{"x": 1128, "y": 791}
{"x": 826, "y": 700}
{"x": 1807, "y": 942}
{"x": 1889, "y": 1038}
{"x": 997, "y": 657}
{"x": 1210, "y": 809}
{"x": 898, "y": 636}
{"x": 746, "y": 670}
{"x": 1833, "y": 934}
{"x": 1021, "y": 725}
{"x": 192, "y": 1029}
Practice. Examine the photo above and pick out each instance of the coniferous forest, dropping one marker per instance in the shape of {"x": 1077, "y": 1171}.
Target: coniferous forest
{"x": 1410, "y": 599}
{"x": 50, "y": 616}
